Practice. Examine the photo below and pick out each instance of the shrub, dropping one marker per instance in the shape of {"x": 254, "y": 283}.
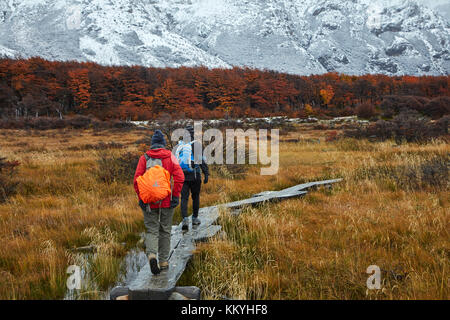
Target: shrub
{"x": 438, "y": 107}
{"x": 147, "y": 140}
{"x": 441, "y": 126}
{"x": 435, "y": 108}
{"x": 434, "y": 173}
{"x": 429, "y": 174}
{"x": 366, "y": 111}
{"x": 321, "y": 126}
{"x": 80, "y": 122}
{"x": 351, "y": 144}
{"x": 392, "y": 105}
{"x": 230, "y": 171}
{"x": 234, "y": 170}
{"x": 98, "y": 146}
{"x": 409, "y": 126}
{"x": 120, "y": 168}
{"x": 75, "y": 122}
{"x": 8, "y": 185}
{"x": 331, "y": 136}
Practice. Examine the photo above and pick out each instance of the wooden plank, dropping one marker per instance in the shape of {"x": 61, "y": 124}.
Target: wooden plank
{"x": 145, "y": 285}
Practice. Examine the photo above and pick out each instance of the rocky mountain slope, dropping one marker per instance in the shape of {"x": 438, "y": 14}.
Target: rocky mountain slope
{"x": 294, "y": 36}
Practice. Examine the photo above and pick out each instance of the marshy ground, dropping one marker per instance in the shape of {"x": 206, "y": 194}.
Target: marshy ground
{"x": 392, "y": 210}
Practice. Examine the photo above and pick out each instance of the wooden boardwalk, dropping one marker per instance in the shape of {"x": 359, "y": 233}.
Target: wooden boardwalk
{"x": 146, "y": 286}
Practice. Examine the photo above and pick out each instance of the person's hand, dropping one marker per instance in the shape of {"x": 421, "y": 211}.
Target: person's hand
{"x": 142, "y": 205}
{"x": 205, "y": 181}
{"x": 174, "y": 202}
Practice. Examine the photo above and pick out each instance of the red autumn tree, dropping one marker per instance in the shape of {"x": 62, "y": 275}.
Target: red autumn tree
{"x": 79, "y": 85}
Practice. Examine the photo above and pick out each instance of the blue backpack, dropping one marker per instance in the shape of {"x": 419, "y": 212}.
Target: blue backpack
{"x": 185, "y": 156}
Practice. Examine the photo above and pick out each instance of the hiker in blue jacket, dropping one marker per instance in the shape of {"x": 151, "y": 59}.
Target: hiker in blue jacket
{"x": 193, "y": 181}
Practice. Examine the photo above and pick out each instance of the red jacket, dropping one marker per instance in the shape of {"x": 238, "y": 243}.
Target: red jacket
{"x": 170, "y": 163}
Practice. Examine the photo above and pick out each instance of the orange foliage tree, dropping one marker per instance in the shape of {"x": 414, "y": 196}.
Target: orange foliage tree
{"x": 36, "y": 87}
{"x": 79, "y": 85}
{"x": 327, "y": 94}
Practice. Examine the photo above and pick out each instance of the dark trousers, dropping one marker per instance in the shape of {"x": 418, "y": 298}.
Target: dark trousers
{"x": 194, "y": 188}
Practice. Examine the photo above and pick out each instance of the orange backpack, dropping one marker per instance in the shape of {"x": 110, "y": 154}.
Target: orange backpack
{"x": 154, "y": 184}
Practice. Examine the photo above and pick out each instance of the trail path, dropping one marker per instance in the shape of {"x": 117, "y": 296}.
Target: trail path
{"x": 146, "y": 286}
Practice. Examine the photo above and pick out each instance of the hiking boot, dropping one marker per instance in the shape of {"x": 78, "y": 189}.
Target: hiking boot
{"x": 164, "y": 265}
{"x": 195, "y": 221}
{"x": 185, "y": 225}
{"x": 153, "y": 264}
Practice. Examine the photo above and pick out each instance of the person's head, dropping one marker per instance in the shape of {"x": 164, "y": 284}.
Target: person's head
{"x": 158, "y": 140}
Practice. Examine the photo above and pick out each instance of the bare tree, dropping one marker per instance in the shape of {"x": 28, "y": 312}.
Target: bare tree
{"x": 167, "y": 125}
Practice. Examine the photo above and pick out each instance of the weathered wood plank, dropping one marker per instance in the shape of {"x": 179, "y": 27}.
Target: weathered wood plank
{"x": 148, "y": 286}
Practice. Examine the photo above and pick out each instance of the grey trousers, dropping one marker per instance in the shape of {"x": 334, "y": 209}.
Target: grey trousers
{"x": 158, "y": 227}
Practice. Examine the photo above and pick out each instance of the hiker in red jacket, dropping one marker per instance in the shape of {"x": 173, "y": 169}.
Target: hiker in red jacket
{"x": 158, "y": 216}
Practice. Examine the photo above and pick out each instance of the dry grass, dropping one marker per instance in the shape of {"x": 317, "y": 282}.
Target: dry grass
{"x": 319, "y": 247}
{"x": 316, "y": 247}
{"x": 58, "y": 203}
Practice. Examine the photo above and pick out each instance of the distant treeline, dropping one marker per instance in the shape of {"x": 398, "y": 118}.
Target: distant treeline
{"x": 36, "y": 87}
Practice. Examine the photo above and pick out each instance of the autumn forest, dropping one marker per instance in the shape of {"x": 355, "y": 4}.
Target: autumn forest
{"x": 36, "y": 87}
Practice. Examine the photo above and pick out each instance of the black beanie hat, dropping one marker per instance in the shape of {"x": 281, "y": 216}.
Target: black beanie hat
{"x": 158, "y": 140}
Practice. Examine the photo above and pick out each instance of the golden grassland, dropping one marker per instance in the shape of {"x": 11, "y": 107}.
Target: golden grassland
{"x": 386, "y": 212}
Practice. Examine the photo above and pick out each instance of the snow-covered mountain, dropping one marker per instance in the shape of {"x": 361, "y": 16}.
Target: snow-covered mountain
{"x": 294, "y": 36}
{"x": 444, "y": 10}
